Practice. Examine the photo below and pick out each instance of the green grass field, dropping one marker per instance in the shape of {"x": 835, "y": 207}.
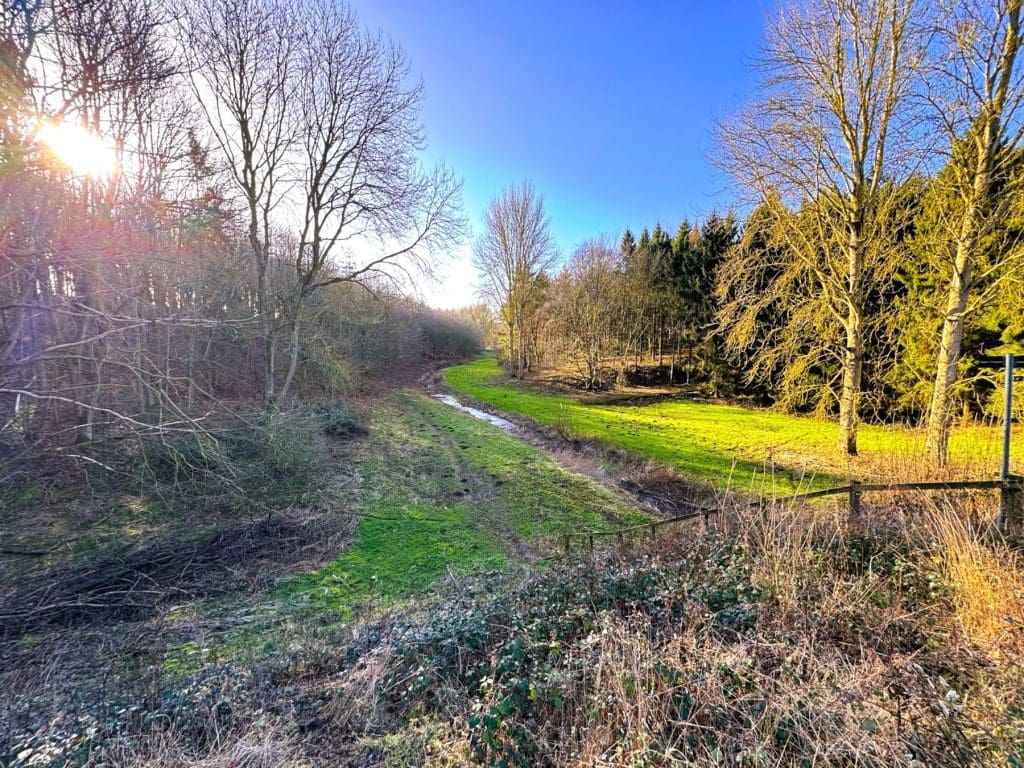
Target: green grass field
{"x": 444, "y": 492}
{"x": 734, "y": 446}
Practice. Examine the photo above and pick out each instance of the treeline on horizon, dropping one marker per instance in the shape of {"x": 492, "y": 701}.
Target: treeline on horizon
{"x": 881, "y": 159}
{"x": 690, "y": 309}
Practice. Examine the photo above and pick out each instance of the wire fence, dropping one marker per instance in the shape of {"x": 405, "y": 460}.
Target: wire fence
{"x": 1010, "y": 521}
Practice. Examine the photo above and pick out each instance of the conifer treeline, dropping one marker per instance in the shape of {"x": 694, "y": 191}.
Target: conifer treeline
{"x": 713, "y": 305}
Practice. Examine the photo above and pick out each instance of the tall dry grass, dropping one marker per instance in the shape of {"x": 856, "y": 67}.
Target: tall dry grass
{"x": 985, "y": 579}
{"x": 701, "y": 700}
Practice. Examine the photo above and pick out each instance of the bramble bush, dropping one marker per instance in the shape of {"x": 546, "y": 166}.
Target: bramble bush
{"x": 687, "y": 657}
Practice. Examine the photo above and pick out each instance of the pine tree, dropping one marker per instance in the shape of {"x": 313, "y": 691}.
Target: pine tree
{"x": 628, "y": 246}
{"x": 644, "y": 243}
{"x": 681, "y": 242}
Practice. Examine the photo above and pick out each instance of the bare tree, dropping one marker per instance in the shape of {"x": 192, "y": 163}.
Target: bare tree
{"x": 584, "y": 305}
{"x": 831, "y": 128}
{"x": 242, "y": 56}
{"x": 514, "y": 250}
{"x": 358, "y": 177}
{"x": 977, "y": 92}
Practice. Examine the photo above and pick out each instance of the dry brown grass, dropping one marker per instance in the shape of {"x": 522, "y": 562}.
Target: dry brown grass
{"x": 784, "y": 539}
{"x": 986, "y": 582}
{"x": 265, "y": 748}
{"x": 359, "y": 707}
{"x": 267, "y": 744}
{"x": 699, "y": 688}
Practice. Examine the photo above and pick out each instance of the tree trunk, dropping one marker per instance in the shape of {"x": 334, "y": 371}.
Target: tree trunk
{"x": 268, "y": 342}
{"x": 849, "y": 400}
{"x": 511, "y": 347}
{"x": 853, "y": 358}
{"x": 940, "y": 414}
{"x": 521, "y": 359}
{"x": 294, "y": 357}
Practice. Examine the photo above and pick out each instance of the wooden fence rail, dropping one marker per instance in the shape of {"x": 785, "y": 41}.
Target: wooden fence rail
{"x": 1011, "y": 505}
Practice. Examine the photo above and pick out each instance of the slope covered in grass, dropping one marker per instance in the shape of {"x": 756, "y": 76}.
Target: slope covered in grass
{"x": 728, "y": 445}
{"x": 444, "y": 493}
{"x": 441, "y": 498}
{"x": 783, "y": 636}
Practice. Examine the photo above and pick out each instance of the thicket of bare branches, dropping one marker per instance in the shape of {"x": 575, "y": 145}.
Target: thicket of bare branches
{"x": 513, "y": 255}
{"x": 182, "y": 194}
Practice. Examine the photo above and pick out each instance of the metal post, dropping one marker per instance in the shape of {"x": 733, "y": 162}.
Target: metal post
{"x": 1011, "y": 495}
{"x": 1007, "y": 415}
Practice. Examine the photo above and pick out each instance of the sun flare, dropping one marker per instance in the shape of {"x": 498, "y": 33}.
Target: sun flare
{"x": 80, "y": 150}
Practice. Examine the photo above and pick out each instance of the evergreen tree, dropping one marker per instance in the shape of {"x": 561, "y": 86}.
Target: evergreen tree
{"x": 628, "y": 245}
{"x": 660, "y": 239}
{"x": 644, "y": 244}
{"x": 680, "y": 245}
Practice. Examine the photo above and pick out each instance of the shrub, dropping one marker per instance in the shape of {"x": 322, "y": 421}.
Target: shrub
{"x": 260, "y": 458}
{"x": 564, "y": 426}
{"x": 447, "y": 335}
{"x": 338, "y": 420}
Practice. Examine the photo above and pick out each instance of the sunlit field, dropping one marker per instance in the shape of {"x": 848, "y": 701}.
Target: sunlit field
{"x": 733, "y": 446}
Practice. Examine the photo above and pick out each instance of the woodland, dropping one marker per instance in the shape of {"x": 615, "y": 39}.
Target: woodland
{"x": 262, "y": 506}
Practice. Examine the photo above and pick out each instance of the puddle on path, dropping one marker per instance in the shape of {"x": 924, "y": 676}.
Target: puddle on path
{"x": 497, "y": 421}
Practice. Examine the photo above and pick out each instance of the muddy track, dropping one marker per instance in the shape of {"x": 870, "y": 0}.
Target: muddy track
{"x": 475, "y": 486}
{"x": 650, "y": 487}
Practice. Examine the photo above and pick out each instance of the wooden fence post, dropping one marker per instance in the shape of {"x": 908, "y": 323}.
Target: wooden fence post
{"x": 566, "y": 541}
{"x": 854, "y": 501}
{"x": 591, "y": 538}
{"x": 1011, "y": 508}
{"x": 654, "y": 531}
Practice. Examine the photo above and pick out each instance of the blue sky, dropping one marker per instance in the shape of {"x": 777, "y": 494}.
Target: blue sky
{"x": 607, "y": 107}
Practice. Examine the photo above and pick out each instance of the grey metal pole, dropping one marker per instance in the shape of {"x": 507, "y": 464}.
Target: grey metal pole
{"x": 1007, "y": 416}
{"x": 1011, "y": 496}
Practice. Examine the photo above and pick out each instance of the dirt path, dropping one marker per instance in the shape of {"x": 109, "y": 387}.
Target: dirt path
{"x": 477, "y": 487}
{"x": 652, "y": 488}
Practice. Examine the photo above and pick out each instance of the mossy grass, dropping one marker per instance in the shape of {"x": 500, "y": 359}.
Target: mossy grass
{"x": 446, "y": 494}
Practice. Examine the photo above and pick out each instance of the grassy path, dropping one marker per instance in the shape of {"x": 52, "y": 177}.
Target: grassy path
{"x": 444, "y": 492}
{"x": 727, "y": 445}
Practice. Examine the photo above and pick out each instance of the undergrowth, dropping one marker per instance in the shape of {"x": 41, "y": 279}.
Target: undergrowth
{"x": 781, "y": 639}
{"x": 252, "y": 462}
